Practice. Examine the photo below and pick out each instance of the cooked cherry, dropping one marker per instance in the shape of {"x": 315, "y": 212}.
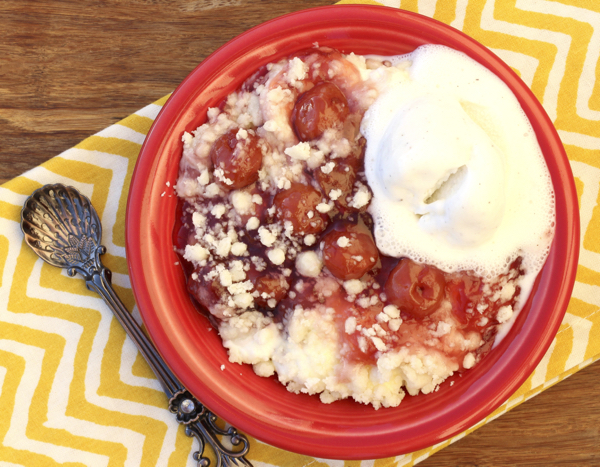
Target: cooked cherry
{"x": 322, "y": 107}
{"x": 207, "y": 293}
{"x": 462, "y": 290}
{"x": 298, "y": 204}
{"x": 271, "y": 286}
{"x": 256, "y": 79}
{"x": 344, "y": 173}
{"x": 356, "y": 157}
{"x": 342, "y": 177}
{"x": 352, "y": 127}
{"x": 348, "y": 252}
{"x": 319, "y": 61}
{"x": 239, "y": 159}
{"x": 325, "y": 64}
{"x": 417, "y": 289}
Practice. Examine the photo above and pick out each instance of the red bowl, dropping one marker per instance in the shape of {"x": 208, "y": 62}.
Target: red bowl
{"x": 262, "y": 407}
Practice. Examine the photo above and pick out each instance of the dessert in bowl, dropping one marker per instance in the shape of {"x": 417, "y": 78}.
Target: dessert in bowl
{"x": 189, "y": 341}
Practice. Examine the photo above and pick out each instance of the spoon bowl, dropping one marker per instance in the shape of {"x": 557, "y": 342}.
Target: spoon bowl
{"x": 62, "y": 227}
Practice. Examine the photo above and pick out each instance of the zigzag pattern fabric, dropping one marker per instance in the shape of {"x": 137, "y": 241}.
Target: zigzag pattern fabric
{"x": 73, "y": 388}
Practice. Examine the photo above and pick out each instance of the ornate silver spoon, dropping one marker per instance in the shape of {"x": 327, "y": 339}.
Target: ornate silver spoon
{"x": 63, "y": 228}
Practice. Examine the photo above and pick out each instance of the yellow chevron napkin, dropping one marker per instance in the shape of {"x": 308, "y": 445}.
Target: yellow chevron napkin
{"x": 73, "y": 388}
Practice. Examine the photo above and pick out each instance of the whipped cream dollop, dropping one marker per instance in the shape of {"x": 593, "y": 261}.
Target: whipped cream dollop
{"x": 457, "y": 175}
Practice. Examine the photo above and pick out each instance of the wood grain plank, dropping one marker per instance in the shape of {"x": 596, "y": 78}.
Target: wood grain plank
{"x": 69, "y": 69}
{"x": 559, "y": 427}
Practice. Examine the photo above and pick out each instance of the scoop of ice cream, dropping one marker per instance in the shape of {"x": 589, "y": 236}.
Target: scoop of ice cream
{"x": 433, "y": 159}
{"x": 457, "y": 176}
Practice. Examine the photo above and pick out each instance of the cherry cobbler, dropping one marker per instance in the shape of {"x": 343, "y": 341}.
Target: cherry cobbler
{"x": 279, "y": 233}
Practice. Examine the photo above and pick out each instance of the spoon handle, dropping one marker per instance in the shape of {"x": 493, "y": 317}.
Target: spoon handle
{"x": 198, "y": 420}
{"x": 63, "y": 228}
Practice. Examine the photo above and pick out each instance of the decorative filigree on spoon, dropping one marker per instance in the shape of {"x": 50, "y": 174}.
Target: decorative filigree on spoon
{"x": 63, "y": 228}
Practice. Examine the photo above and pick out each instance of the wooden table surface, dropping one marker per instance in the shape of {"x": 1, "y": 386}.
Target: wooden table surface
{"x": 71, "y": 68}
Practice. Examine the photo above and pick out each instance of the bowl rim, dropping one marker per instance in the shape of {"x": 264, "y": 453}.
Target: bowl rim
{"x": 145, "y": 235}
